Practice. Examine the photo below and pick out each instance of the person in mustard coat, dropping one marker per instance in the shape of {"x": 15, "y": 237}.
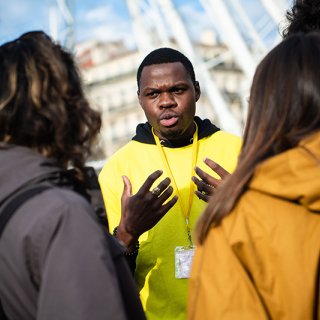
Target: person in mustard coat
{"x": 259, "y": 237}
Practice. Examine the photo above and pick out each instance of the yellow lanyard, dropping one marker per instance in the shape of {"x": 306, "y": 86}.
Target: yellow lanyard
{"x": 185, "y": 211}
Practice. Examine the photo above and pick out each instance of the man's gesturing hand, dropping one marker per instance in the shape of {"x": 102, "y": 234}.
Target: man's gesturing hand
{"x": 205, "y": 186}
{"x": 142, "y": 211}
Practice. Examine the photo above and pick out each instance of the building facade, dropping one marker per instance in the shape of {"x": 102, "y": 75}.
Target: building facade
{"x": 109, "y": 75}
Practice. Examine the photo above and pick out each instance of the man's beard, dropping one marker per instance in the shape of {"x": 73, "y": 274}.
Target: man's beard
{"x": 173, "y": 134}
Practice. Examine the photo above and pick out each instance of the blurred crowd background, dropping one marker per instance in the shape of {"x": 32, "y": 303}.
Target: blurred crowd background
{"x": 225, "y": 40}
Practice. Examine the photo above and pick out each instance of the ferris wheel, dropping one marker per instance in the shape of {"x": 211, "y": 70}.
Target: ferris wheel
{"x": 157, "y": 23}
{"x": 247, "y": 40}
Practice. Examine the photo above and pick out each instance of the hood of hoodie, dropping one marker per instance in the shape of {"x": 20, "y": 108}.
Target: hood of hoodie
{"x": 293, "y": 175}
{"x": 20, "y": 166}
{"x": 144, "y": 133}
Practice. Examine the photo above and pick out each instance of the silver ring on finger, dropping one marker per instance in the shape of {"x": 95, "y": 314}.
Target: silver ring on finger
{"x": 156, "y": 191}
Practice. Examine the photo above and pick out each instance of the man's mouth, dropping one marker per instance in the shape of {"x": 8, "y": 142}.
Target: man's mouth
{"x": 169, "y": 121}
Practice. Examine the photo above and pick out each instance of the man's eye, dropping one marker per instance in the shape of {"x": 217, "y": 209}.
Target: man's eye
{"x": 178, "y": 90}
{"x": 152, "y": 94}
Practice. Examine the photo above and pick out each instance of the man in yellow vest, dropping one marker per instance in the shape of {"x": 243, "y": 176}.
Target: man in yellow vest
{"x": 155, "y": 219}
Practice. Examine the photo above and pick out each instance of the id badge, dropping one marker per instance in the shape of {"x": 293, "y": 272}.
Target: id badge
{"x": 183, "y": 260}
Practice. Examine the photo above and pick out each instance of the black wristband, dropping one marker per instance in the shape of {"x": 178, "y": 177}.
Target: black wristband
{"x": 135, "y": 251}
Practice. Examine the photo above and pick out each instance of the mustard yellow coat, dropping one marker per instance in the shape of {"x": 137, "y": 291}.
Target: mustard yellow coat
{"x": 262, "y": 262}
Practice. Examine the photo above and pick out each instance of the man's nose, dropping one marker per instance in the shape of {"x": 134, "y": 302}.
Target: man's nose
{"x": 167, "y": 100}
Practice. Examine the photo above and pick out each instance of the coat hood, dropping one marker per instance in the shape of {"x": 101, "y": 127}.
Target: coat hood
{"x": 19, "y": 166}
{"x": 144, "y": 133}
{"x": 293, "y": 175}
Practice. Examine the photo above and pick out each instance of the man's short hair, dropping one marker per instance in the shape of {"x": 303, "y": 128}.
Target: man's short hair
{"x": 165, "y": 55}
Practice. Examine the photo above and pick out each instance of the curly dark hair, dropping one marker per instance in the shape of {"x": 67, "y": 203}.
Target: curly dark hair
{"x": 304, "y": 16}
{"x": 42, "y": 103}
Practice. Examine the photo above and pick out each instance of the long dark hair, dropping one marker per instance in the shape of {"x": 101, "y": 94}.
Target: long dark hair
{"x": 42, "y": 103}
{"x": 284, "y": 108}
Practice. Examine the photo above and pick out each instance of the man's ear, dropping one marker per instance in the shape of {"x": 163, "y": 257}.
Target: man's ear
{"x": 197, "y": 89}
{"x": 138, "y": 95}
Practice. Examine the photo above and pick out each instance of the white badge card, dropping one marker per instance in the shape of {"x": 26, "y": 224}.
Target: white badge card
{"x": 183, "y": 260}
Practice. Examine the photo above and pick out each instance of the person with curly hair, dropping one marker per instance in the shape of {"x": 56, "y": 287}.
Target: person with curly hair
{"x": 56, "y": 260}
{"x": 303, "y": 16}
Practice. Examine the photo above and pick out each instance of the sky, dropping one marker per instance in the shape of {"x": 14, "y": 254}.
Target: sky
{"x": 106, "y": 20}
